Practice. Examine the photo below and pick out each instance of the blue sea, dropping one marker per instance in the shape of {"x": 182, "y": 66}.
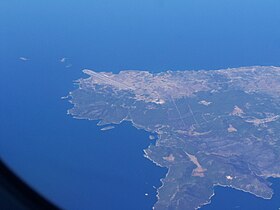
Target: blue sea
{"x": 72, "y": 162}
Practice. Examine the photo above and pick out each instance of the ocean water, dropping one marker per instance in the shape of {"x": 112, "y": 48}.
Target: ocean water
{"x": 72, "y": 162}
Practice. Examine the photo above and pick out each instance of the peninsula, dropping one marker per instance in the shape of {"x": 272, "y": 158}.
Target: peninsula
{"x": 215, "y": 127}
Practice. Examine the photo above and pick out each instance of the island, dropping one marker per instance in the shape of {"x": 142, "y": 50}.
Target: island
{"x": 213, "y": 127}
